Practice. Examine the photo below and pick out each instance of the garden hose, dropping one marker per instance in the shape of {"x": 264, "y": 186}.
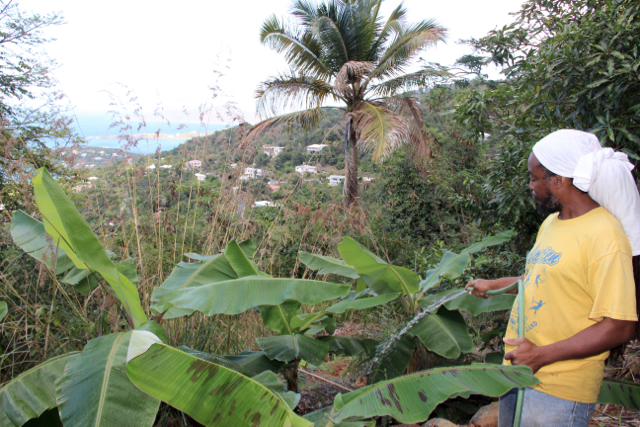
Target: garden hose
{"x": 518, "y": 284}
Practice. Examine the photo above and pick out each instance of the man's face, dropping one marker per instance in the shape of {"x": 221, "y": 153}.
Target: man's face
{"x": 540, "y": 189}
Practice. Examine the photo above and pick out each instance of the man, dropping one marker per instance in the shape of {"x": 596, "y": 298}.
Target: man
{"x": 579, "y": 292}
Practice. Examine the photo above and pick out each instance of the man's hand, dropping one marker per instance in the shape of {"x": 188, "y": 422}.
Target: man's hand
{"x": 480, "y": 286}
{"x": 527, "y": 353}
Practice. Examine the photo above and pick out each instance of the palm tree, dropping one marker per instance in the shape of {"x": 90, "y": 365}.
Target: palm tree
{"x": 342, "y": 52}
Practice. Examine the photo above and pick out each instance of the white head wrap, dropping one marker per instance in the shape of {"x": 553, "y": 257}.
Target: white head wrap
{"x": 603, "y": 173}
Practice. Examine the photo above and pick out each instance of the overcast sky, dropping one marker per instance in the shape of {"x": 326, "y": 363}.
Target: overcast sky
{"x": 167, "y": 52}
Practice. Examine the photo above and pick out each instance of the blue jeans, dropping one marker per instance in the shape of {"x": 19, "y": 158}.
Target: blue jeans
{"x": 543, "y": 410}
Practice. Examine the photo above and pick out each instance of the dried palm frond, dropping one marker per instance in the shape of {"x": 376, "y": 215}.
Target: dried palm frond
{"x": 350, "y": 73}
{"x": 380, "y": 129}
{"x": 305, "y": 119}
{"x": 292, "y": 91}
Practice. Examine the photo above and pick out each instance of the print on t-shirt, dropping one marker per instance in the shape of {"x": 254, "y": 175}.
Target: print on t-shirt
{"x": 538, "y": 261}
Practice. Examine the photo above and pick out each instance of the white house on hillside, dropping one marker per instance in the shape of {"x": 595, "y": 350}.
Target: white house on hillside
{"x": 166, "y": 166}
{"x": 152, "y": 167}
{"x": 253, "y": 173}
{"x": 306, "y": 168}
{"x": 201, "y": 177}
{"x": 272, "y": 151}
{"x": 194, "y": 163}
{"x": 335, "y": 179}
{"x": 315, "y": 148}
{"x": 263, "y": 203}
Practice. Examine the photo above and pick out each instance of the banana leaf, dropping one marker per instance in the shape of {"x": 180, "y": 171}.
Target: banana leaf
{"x": 320, "y": 418}
{"x": 255, "y": 362}
{"x": 327, "y": 265}
{"x": 29, "y": 234}
{"x": 452, "y": 265}
{"x": 214, "y": 269}
{"x": 444, "y": 333}
{"x": 349, "y": 346}
{"x": 383, "y": 278}
{"x": 95, "y": 390}
{"x": 209, "y": 393}
{"x": 32, "y": 393}
{"x": 301, "y": 322}
{"x": 412, "y": 398}
{"x": 236, "y": 296}
{"x": 362, "y": 303}
{"x": 496, "y": 239}
{"x": 4, "y": 310}
{"x": 218, "y": 360}
{"x": 278, "y": 317}
{"x": 241, "y": 263}
{"x": 273, "y": 383}
{"x": 623, "y": 393}
{"x": 153, "y": 327}
{"x": 286, "y": 348}
{"x": 462, "y": 300}
{"x": 65, "y": 225}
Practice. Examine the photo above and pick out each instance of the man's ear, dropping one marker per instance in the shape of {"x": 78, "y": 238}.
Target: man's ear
{"x": 560, "y": 182}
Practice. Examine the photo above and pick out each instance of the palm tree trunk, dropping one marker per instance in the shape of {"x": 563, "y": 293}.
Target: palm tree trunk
{"x": 350, "y": 189}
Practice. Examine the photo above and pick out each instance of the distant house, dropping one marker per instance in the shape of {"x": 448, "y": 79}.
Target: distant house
{"x": 272, "y": 151}
{"x": 274, "y": 187}
{"x": 83, "y": 155}
{"x": 97, "y": 158}
{"x": 201, "y": 177}
{"x": 263, "y": 203}
{"x": 367, "y": 179}
{"x": 233, "y": 165}
{"x": 315, "y": 148}
{"x": 335, "y": 179}
{"x": 194, "y": 163}
{"x": 92, "y": 178}
{"x": 252, "y": 173}
{"x": 101, "y": 152}
{"x": 306, "y": 168}
{"x": 166, "y": 166}
{"x": 152, "y": 167}
{"x": 114, "y": 154}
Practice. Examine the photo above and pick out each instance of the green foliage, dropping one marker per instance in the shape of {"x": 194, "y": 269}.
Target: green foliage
{"x": 94, "y": 389}
{"x": 412, "y": 398}
{"x": 32, "y": 393}
{"x": 197, "y": 386}
{"x": 567, "y": 64}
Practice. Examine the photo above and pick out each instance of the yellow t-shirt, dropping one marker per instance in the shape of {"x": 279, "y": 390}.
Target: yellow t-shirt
{"x": 578, "y": 272}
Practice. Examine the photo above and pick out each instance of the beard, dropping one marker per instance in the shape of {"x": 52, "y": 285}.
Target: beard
{"x": 547, "y": 205}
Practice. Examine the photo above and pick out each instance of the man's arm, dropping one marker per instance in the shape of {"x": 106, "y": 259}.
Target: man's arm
{"x": 480, "y": 286}
{"x": 604, "y": 335}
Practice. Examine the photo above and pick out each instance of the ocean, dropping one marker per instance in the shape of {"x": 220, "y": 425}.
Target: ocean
{"x": 92, "y": 126}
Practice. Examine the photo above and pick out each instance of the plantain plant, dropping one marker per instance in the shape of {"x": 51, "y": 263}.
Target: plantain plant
{"x": 111, "y": 381}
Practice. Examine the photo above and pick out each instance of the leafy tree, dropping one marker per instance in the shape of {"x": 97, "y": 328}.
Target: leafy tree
{"x": 343, "y": 51}
{"x": 27, "y": 134}
{"x": 566, "y": 64}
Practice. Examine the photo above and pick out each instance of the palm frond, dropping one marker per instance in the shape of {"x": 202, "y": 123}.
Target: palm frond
{"x": 419, "y": 140}
{"x": 407, "y": 82}
{"x": 406, "y": 44}
{"x": 305, "y": 119}
{"x": 292, "y": 91}
{"x": 380, "y": 130}
{"x": 351, "y": 73}
{"x": 392, "y": 26}
{"x": 331, "y": 37}
{"x": 302, "y": 51}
